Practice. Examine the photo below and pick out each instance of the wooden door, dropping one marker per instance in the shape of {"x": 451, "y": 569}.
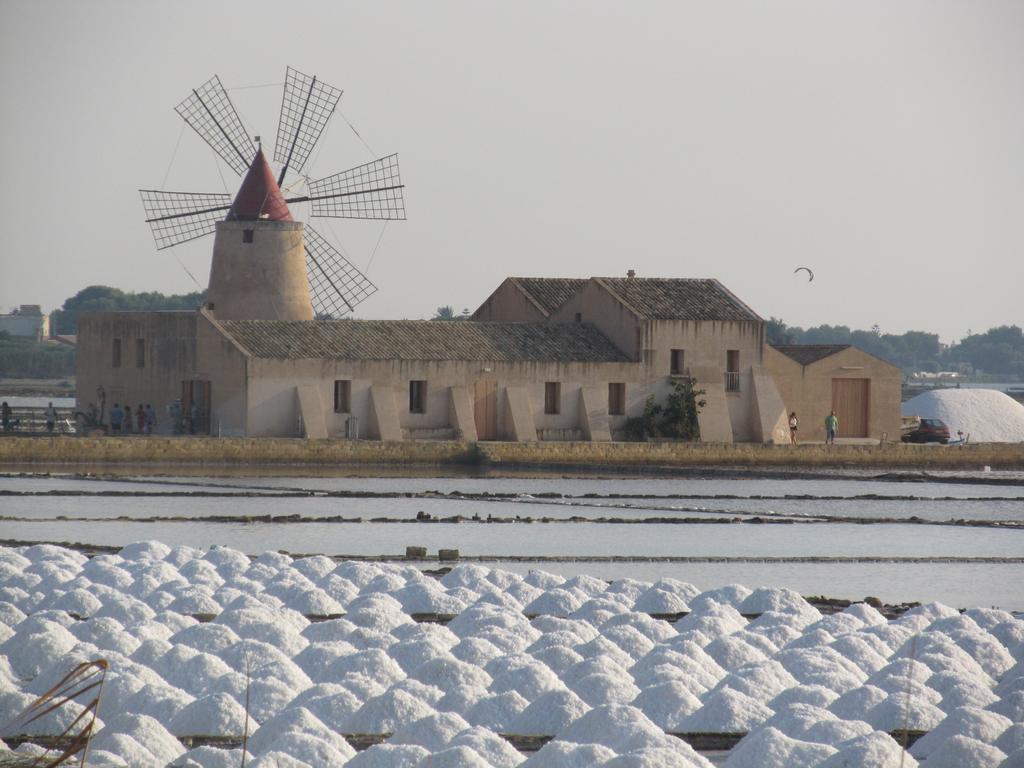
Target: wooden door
{"x": 198, "y": 391}
{"x": 485, "y": 409}
{"x": 851, "y": 400}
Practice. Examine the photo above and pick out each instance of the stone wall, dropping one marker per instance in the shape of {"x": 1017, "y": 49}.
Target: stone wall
{"x": 296, "y": 451}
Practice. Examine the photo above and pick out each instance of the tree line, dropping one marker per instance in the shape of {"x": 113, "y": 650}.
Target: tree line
{"x": 998, "y": 351}
{"x": 26, "y": 358}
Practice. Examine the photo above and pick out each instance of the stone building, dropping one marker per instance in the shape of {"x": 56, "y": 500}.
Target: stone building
{"x": 554, "y": 360}
{"x": 541, "y": 359}
{"x": 815, "y": 379}
{"x": 26, "y": 320}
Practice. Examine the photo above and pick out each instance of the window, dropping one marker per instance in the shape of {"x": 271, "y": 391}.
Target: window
{"x": 552, "y": 397}
{"x": 732, "y": 370}
{"x": 116, "y": 360}
{"x": 677, "y": 367}
{"x": 616, "y": 399}
{"x": 579, "y": 317}
{"x": 417, "y": 397}
{"x": 247, "y": 235}
{"x": 343, "y": 396}
{"x": 140, "y": 353}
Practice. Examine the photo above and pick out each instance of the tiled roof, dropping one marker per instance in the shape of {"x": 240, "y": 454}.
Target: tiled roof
{"x": 423, "y": 340}
{"x": 805, "y": 354}
{"x": 656, "y": 298}
{"x": 550, "y": 292}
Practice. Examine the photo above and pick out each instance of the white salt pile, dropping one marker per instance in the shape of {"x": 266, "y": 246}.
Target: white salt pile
{"x": 610, "y": 683}
{"x": 987, "y": 415}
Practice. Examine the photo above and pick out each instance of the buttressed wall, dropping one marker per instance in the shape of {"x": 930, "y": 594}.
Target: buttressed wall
{"x": 258, "y": 272}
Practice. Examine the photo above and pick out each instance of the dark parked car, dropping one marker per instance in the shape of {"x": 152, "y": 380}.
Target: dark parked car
{"x": 928, "y": 431}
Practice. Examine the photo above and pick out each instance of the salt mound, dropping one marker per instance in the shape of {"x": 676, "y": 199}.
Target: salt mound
{"x": 657, "y": 600}
{"x": 295, "y": 720}
{"x": 601, "y": 688}
{"x": 450, "y": 674}
{"x": 207, "y": 757}
{"x": 562, "y": 754}
{"x": 667, "y": 704}
{"x": 876, "y": 749}
{"x": 960, "y": 751}
{"x": 490, "y": 746}
{"x": 528, "y": 677}
{"x": 621, "y": 728}
{"x": 726, "y": 711}
{"x": 389, "y": 756}
{"x": 898, "y": 710}
{"x": 496, "y": 711}
{"x": 146, "y": 731}
{"x": 770, "y": 748}
{"x": 549, "y": 715}
{"x": 387, "y": 712}
{"x": 434, "y": 731}
{"x": 454, "y": 757}
{"x": 966, "y": 721}
{"x": 987, "y": 415}
{"x": 215, "y": 715}
{"x": 277, "y": 759}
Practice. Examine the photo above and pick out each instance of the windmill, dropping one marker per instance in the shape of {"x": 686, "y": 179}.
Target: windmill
{"x": 265, "y": 264}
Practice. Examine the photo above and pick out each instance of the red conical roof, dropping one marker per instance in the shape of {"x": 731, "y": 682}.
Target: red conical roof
{"x": 259, "y": 197}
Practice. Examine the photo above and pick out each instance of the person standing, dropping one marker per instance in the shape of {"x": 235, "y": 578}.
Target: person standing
{"x": 794, "y": 422}
{"x": 116, "y": 417}
{"x": 51, "y": 416}
{"x": 150, "y": 419}
{"x": 140, "y": 419}
{"x": 5, "y": 409}
{"x": 193, "y": 420}
{"x": 126, "y": 422}
{"x": 831, "y": 427}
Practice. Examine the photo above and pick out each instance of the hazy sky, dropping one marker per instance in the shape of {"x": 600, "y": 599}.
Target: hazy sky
{"x": 879, "y": 143}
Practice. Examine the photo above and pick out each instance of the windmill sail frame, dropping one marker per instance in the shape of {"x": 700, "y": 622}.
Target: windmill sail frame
{"x": 177, "y": 217}
{"x": 211, "y": 114}
{"x": 306, "y": 106}
{"x": 369, "y": 191}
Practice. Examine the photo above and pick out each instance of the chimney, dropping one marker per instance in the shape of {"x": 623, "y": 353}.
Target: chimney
{"x": 631, "y": 274}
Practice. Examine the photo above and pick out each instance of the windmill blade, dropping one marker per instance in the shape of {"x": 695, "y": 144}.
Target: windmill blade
{"x": 335, "y": 286}
{"x": 370, "y": 191}
{"x": 177, "y": 217}
{"x": 306, "y": 107}
{"x": 212, "y": 115}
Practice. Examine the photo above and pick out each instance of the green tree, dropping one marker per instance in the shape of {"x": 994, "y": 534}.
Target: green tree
{"x": 676, "y": 420}
{"x": 446, "y": 312}
{"x": 102, "y": 298}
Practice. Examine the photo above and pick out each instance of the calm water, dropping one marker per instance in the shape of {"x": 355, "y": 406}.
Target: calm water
{"x": 601, "y": 508}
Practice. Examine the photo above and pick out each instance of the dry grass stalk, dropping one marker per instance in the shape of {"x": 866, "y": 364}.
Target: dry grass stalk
{"x": 86, "y": 677}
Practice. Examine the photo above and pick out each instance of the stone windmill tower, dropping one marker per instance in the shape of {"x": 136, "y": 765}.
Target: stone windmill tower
{"x": 266, "y": 265}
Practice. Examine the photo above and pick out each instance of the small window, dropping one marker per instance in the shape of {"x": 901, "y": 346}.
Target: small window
{"x": 678, "y": 366}
{"x": 116, "y": 359}
{"x": 732, "y": 370}
{"x": 579, "y": 317}
{"x": 140, "y": 353}
{"x": 417, "y": 397}
{"x": 552, "y": 397}
{"x": 343, "y": 396}
{"x": 616, "y": 399}
{"x": 247, "y": 235}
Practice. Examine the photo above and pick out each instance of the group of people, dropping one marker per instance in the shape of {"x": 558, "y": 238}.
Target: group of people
{"x": 831, "y": 427}
{"x": 124, "y": 421}
{"x": 10, "y": 423}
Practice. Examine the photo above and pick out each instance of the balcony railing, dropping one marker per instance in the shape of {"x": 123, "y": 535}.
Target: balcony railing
{"x": 732, "y": 381}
